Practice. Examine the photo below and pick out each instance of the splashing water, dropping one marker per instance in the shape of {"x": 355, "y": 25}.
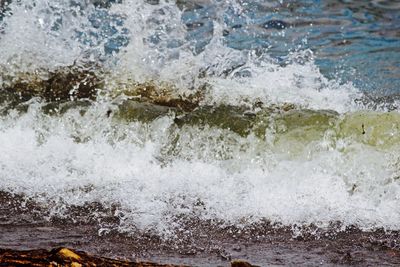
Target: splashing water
{"x": 276, "y": 133}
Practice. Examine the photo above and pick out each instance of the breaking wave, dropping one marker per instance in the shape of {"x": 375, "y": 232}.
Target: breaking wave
{"x": 149, "y": 108}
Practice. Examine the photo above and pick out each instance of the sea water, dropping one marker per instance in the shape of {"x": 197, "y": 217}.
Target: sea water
{"x": 297, "y": 123}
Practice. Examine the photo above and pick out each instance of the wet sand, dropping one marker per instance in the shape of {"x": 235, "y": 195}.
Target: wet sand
{"x": 278, "y": 248}
{"x": 196, "y": 242}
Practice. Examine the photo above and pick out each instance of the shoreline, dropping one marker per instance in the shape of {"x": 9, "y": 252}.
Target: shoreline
{"x": 278, "y": 248}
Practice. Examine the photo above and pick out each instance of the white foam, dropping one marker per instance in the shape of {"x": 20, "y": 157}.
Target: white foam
{"x": 234, "y": 177}
{"x": 301, "y": 84}
{"x": 132, "y": 164}
{"x": 29, "y": 43}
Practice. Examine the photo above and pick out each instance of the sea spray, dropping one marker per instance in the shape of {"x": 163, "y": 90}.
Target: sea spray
{"x": 121, "y": 111}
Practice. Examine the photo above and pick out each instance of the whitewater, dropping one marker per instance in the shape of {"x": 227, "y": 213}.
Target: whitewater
{"x": 191, "y": 116}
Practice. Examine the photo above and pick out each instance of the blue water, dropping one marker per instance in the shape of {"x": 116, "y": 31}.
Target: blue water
{"x": 357, "y": 41}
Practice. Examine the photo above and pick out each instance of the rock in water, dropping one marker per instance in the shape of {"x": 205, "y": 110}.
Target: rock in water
{"x": 64, "y": 257}
{"x": 64, "y": 83}
{"x": 69, "y": 257}
{"x": 241, "y": 263}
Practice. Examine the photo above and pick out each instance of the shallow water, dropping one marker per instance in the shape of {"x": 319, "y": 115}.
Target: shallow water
{"x": 152, "y": 113}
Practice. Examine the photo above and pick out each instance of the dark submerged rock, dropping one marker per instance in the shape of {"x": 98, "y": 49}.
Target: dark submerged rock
{"x": 145, "y": 112}
{"x": 162, "y": 94}
{"x": 224, "y": 116}
{"x": 63, "y": 84}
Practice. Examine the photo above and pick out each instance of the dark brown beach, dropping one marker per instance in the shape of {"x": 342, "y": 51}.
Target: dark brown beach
{"x": 196, "y": 242}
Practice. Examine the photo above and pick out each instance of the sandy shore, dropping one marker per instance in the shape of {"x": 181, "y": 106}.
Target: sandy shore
{"x": 278, "y": 248}
{"x": 196, "y": 242}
